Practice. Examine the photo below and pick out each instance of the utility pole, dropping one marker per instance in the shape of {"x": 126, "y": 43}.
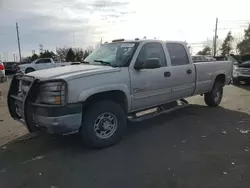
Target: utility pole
{"x": 74, "y": 39}
{"x": 14, "y": 57}
{"x": 18, "y": 42}
{"x": 101, "y": 41}
{"x": 41, "y": 48}
{"x": 215, "y": 36}
{"x": 213, "y": 46}
{"x": 5, "y": 56}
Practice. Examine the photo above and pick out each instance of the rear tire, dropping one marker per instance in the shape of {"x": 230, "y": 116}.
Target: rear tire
{"x": 104, "y": 124}
{"x": 28, "y": 70}
{"x": 214, "y": 97}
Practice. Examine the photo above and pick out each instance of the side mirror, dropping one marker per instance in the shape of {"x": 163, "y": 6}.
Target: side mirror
{"x": 150, "y": 63}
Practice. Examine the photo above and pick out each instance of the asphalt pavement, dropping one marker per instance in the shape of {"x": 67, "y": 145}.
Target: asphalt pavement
{"x": 197, "y": 146}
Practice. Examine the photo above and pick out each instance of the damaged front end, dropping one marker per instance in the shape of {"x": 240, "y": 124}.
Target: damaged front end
{"x": 23, "y": 91}
{"x": 42, "y": 105}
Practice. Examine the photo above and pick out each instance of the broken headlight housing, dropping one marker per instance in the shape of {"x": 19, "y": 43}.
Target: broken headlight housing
{"x": 53, "y": 93}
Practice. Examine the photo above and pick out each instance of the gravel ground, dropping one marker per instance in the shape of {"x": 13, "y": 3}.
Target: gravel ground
{"x": 194, "y": 147}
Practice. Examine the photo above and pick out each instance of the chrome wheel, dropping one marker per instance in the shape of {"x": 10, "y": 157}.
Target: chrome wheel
{"x": 105, "y": 125}
{"x": 217, "y": 95}
{"x": 214, "y": 97}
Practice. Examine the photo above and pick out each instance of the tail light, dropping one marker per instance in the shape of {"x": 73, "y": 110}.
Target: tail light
{"x": 2, "y": 66}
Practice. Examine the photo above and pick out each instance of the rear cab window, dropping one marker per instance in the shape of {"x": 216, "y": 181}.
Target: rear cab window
{"x": 178, "y": 54}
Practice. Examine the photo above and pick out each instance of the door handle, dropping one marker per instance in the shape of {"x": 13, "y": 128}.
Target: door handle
{"x": 189, "y": 71}
{"x": 167, "y": 74}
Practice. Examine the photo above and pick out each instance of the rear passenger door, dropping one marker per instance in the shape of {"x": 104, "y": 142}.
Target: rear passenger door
{"x": 182, "y": 73}
{"x": 150, "y": 87}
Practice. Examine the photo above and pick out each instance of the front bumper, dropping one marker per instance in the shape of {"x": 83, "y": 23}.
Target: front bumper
{"x": 20, "y": 71}
{"x": 58, "y": 120}
{"x": 243, "y": 77}
{"x": 54, "y": 119}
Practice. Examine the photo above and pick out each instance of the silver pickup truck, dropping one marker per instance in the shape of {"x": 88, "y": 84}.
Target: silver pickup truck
{"x": 120, "y": 81}
{"x": 241, "y": 68}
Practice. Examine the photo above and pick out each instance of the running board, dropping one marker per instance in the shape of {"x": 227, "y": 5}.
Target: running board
{"x": 153, "y": 112}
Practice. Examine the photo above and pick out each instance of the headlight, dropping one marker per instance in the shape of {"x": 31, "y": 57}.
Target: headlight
{"x": 52, "y": 93}
{"x": 235, "y": 67}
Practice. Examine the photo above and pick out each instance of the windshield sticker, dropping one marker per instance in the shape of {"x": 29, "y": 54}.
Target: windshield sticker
{"x": 127, "y": 45}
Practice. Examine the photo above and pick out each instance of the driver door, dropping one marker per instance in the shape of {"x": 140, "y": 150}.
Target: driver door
{"x": 150, "y": 87}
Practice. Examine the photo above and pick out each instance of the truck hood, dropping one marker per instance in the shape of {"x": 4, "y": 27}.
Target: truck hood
{"x": 72, "y": 71}
{"x": 245, "y": 64}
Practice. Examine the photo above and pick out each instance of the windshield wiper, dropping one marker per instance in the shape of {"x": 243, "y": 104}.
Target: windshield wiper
{"x": 85, "y": 62}
{"x": 78, "y": 63}
{"x": 103, "y": 62}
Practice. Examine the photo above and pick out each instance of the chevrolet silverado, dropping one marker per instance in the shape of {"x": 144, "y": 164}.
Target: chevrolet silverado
{"x": 120, "y": 81}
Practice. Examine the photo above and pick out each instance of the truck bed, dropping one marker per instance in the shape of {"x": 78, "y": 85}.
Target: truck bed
{"x": 205, "y": 72}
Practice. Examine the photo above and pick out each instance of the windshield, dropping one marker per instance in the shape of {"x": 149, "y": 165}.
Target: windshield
{"x": 113, "y": 54}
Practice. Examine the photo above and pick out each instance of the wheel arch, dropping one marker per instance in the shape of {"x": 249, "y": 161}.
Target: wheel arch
{"x": 219, "y": 77}
{"x": 120, "y": 95}
{"x": 29, "y": 68}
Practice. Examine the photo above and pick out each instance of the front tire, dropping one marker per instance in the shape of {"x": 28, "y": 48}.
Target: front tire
{"x": 214, "y": 97}
{"x": 248, "y": 82}
{"x": 31, "y": 125}
{"x": 104, "y": 124}
{"x": 32, "y": 128}
{"x": 236, "y": 81}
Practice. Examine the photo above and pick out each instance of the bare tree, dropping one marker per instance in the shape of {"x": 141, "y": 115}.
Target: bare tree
{"x": 62, "y": 53}
{"x": 226, "y": 47}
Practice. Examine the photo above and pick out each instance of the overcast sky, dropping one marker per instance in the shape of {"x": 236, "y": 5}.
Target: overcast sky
{"x": 56, "y": 23}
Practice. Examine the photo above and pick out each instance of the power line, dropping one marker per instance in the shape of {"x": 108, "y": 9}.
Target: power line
{"x": 233, "y": 24}
{"x": 233, "y": 21}
{"x": 74, "y": 39}
{"x": 230, "y": 28}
